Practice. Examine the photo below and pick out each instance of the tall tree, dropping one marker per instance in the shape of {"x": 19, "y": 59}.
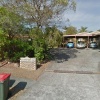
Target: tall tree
{"x": 83, "y": 29}
{"x": 39, "y": 12}
{"x": 10, "y": 22}
{"x": 70, "y": 30}
{"x": 53, "y": 36}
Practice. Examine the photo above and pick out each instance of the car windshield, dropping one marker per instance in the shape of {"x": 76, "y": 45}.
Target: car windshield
{"x": 70, "y": 42}
{"x": 93, "y": 42}
{"x": 80, "y": 42}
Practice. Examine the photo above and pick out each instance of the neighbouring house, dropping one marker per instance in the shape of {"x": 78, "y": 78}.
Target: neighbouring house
{"x": 84, "y": 36}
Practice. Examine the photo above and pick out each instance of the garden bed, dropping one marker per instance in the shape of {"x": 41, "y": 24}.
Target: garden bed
{"x": 16, "y": 71}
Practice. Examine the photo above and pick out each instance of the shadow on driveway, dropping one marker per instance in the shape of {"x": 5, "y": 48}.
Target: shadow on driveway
{"x": 16, "y": 89}
{"x": 63, "y": 54}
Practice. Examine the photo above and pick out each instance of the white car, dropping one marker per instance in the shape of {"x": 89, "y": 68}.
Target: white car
{"x": 81, "y": 44}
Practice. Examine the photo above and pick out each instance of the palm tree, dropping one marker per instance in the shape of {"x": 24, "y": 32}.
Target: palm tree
{"x": 83, "y": 29}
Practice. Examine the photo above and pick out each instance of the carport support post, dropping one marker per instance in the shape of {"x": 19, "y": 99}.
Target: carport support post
{"x": 75, "y": 41}
{"x": 63, "y": 41}
{"x": 88, "y": 43}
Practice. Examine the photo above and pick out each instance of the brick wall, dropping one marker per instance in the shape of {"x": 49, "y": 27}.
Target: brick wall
{"x": 28, "y": 63}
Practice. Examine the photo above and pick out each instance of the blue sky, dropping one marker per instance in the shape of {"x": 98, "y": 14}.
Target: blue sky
{"x": 87, "y": 14}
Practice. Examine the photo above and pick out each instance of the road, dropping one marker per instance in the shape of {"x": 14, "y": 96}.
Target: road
{"x": 74, "y": 74}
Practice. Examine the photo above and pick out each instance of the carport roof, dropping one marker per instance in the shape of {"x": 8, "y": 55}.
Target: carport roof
{"x": 83, "y": 34}
{"x": 95, "y": 33}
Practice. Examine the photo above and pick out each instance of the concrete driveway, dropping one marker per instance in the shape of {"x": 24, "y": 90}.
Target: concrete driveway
{"x": 74, "y": 74}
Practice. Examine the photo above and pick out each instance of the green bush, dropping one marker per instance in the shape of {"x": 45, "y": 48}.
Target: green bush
{"x": 3, "y": 40}
{"x": 17, "y": 48}
{"x": 40, "y": 49}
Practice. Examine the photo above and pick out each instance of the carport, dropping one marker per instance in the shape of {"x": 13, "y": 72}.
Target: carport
{"x": 87, "y": 37}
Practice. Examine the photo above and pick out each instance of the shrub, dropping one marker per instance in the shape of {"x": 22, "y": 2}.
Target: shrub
{"x": 17, "y": 48}
{"x": 3, "y": 40}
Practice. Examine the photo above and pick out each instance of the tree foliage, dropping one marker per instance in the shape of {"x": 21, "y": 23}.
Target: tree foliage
{"x": 83, "y": 29}
{"x": 70, "y": 30}
{"x": 39, "y": 43}
{"x": 12, "y": 47}
{"x": 17, "y": 48}
{"x": 10, "y": 22}
{"x": 53, "y": 36}
{"x": 17, "y": 15}
{"x": 43, "y": 41}
{"x": 3, "y": 41}
{"x": 39, "y": 11}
